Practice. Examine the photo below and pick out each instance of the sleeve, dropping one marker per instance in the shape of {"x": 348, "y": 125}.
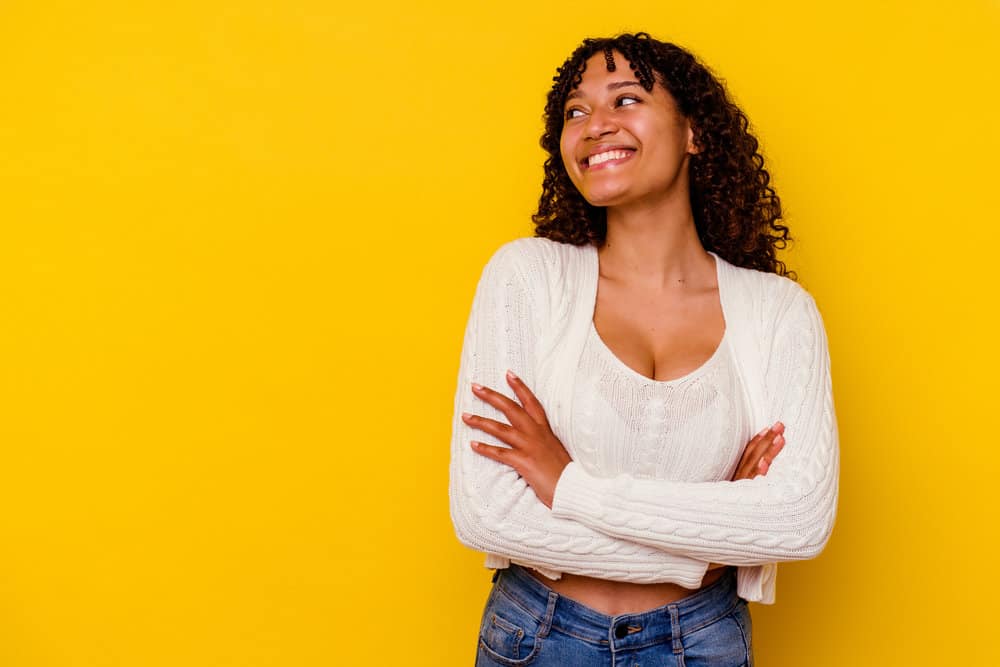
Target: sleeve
{"x": 785, "y": 515}
{"x": 493, "y": 509}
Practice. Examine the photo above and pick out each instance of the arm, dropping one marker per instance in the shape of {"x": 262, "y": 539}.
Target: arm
{"x": 492, "y": 507}
{"x": 786, "y": 515}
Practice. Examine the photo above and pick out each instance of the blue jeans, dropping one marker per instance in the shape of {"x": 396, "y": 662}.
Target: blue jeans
{"x": 527, "y": 623}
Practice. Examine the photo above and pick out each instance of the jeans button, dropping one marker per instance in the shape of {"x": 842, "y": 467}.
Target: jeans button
{"x": 621, "y": 631}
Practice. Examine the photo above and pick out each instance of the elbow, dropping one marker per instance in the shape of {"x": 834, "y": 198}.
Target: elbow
{"x": 823, "y": 534}
{"x": 468, "y": 536}
{"x": 813, "y": 534}
{"x": 825, "y": 520}
{"x": 808, "y": 513}
{"x": 814, "y": 547}
{"x": 797, "y": 527}
{"x": 463, "y": 528}
{"x": 468, "y": 530}
{"x": 466, "y": 522}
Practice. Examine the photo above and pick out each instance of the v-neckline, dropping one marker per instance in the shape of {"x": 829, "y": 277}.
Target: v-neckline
{"x": 672, "y": 381}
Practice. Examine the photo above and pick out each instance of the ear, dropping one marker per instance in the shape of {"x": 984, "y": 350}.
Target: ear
{"x": 692, "y": 146}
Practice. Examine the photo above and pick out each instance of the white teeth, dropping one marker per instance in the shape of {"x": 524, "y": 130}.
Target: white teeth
{"x": 605, "y": 156}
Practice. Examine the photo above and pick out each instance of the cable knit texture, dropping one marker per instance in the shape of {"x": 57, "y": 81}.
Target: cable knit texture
{"x": 626, "y": 423}
{"x": 646, "y": 498}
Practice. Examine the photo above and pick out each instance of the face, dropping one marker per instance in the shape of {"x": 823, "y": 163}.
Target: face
{"x": 621, "y": 144}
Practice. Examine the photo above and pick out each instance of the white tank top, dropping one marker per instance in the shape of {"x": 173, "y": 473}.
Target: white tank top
{"x": 689, "y": 429}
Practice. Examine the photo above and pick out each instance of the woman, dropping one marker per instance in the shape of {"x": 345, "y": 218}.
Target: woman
{"x": 616, "y": 442}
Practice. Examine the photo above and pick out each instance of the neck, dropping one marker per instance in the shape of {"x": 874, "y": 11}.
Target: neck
{"x": 656, "y": 245}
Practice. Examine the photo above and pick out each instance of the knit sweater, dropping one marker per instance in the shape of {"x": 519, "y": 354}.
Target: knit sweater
{"x": 627, "y": 423}
{"x": 532, "y": 313}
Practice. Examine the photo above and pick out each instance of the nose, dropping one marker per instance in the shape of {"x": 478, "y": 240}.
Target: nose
{"x": 600, "y": 123}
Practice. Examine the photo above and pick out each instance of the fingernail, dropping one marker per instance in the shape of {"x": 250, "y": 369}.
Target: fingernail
{"x": 510, "y": 375}
{"x": 477, "y": 387}
{"x": 779, "y": 439}
{"x": 763, "y": 431}
{"x": 465, "y": 415}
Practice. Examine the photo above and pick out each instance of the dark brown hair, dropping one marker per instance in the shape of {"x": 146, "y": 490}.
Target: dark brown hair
{"x": 736, "y": 212}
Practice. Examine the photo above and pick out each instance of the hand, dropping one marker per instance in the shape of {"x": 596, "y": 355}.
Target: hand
{"x": 536, "y": 453}
{"x": 760, "y": 452}
{"x": 757, "y": 457}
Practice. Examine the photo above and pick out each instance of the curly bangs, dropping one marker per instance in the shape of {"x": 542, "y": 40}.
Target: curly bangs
{"x": 736, "y": 211}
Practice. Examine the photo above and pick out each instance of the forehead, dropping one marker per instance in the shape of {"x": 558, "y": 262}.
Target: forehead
{"x": 596, "y": 78}
{"x": 598, "y": 63}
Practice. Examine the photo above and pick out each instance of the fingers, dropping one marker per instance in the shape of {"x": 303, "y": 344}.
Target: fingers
{"x": 760, "y": 452}
{"x": 516, "y": 415}
{"x": 765, "y": 460}
{"x": 527, "y": 398}
{"x": 523, "y": 420}
{"x": 498, "y": 454}
{"x": 497, "y": 429}
{"x": 747, "y": 468}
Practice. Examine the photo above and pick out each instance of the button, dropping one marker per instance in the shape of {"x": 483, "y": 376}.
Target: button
{"x": 621, "y": 631}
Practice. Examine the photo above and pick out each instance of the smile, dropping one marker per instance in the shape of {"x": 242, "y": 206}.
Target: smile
{"x": 607, "y": 158}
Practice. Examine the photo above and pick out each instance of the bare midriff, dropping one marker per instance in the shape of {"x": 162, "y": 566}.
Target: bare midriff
{"x": 621, "y": 597}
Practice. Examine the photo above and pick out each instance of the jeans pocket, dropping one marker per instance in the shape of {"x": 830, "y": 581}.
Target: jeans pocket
{"x": 508, "y": 634}
{"x": 724, "y": 642}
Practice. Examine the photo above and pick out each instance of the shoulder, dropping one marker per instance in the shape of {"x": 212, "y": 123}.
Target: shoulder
{"x": 774, "y": 297}
{"x": 535, "y": 259}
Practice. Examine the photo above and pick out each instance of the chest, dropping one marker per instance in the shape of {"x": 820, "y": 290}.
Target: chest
{"x": 690, "y": 428}
{"x": 659, "y": 336}
{"x": 643, "y": 401}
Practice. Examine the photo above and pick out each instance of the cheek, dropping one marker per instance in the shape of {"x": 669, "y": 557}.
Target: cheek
{"x": 567, "y": 153}
{"x": 672, "y": 138}
{"x": 564, "y": 149}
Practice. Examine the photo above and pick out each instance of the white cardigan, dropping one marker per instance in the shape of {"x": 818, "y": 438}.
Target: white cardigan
{"x": 533, "y": 307}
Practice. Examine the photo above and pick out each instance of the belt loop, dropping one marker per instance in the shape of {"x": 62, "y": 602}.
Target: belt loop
{"x": 550, "y": 611}
{"x": 675, "y": 630}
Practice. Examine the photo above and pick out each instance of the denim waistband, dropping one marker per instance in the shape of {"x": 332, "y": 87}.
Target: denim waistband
{"x": 669, "y": 622}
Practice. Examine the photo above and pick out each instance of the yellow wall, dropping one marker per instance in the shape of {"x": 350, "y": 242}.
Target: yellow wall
{"x": 238, "y": 243}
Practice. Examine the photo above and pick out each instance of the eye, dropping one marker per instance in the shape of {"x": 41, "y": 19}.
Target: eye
{"x": 569, "y": 113}
{"x": 621, "y": 100}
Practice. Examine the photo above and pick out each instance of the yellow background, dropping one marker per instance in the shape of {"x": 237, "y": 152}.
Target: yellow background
{"x": 238, "y": 244}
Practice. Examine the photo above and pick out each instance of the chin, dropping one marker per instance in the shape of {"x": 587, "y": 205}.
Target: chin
{"x": 605, "y": 197}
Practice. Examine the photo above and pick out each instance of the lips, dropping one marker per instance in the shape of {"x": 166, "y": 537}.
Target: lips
{"x": 606, "y": 156}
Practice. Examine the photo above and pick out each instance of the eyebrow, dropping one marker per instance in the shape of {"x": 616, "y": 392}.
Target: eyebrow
{"x": 611, "y": 86}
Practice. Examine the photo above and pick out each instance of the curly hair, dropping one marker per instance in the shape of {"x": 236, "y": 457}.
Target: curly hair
{"x": 736, "y": 211}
